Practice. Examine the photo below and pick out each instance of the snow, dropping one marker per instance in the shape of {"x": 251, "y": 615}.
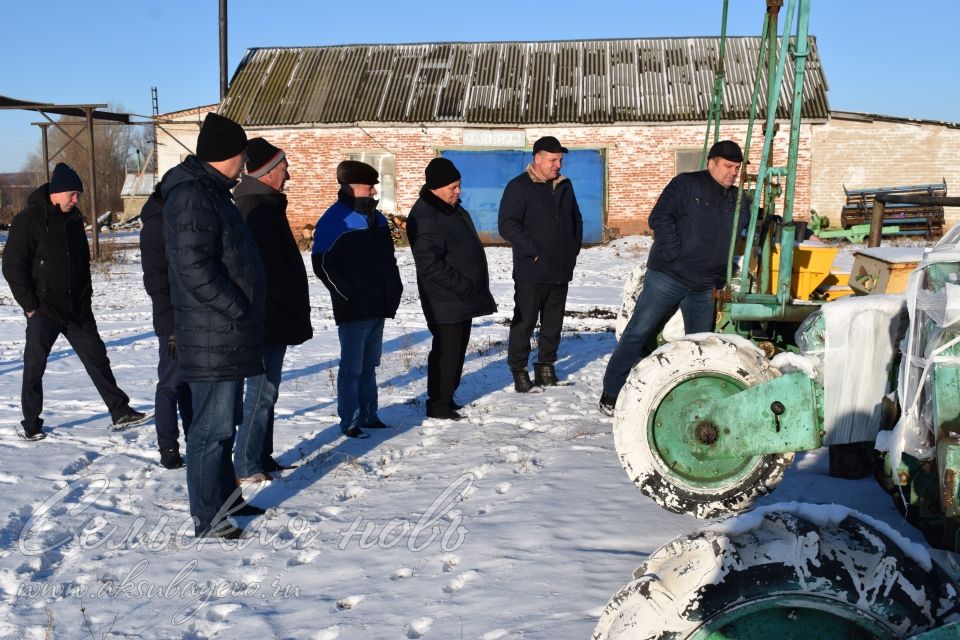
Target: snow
{"x": 518, "y": 522}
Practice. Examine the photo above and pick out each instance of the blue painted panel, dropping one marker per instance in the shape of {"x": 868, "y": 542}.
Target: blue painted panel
{"x": 486, "y": 173}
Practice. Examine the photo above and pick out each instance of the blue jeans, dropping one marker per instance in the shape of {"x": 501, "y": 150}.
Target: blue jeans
{"x": 361, "y": 342}
{"x": 211, "y": 482}
{"x": 659, "y": 299}
{"x": 258, "y": 402}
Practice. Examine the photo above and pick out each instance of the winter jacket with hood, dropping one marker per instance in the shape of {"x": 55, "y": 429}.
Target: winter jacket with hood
{"x": 692, "y": 223}
{"x": 452, "y": 274}
{"x": 288, "y": 296}
{"x": 542, "y": 221}
{"x": 46, "y": 260}
{"x": 353, "y": 256}
{"x": 217, "y": 280}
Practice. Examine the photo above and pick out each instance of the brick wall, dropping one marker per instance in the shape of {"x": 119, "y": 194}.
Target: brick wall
{"x": 640, "y": 161}
{"x": 178, "y": 136}
{"x": 877, "y": 153}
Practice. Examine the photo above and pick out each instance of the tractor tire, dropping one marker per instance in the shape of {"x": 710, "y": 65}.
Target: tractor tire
{"x": 788, "y": 571}
{"x": 652, "y": 418}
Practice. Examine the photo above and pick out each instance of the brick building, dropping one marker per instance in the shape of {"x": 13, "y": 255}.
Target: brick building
{"x": 633, "y": 113}
{"x": 859, "y": 150}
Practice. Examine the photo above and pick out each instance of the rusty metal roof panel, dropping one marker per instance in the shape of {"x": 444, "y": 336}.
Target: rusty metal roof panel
{"x": 513, "y": 83}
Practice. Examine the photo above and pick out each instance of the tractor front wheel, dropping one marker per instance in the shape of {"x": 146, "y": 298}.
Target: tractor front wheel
{"x": 663, "y": 397}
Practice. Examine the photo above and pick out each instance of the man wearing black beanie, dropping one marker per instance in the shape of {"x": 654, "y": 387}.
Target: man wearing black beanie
{"x": 218, "y": 291}
{"x": 452, "y": 278}
{"x": 46, "y": 261}
{"x": 692, "y": 223}
{"x": 263, "y": 206}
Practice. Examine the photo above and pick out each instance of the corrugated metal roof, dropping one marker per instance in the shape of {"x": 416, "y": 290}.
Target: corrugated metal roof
{"x": 520, "y": 83}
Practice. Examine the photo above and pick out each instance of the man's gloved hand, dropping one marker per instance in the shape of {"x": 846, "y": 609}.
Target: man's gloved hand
{"x": 172, "y": 347}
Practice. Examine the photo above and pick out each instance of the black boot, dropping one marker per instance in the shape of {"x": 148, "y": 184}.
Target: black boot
{"x": 521, "y": 380}
{"x": 170, "y": 459}
{"x": 607, "y": 404}
{"x": 544, "y": 375}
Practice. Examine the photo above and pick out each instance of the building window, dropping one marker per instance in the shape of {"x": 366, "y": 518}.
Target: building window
{"x": 687, "y": 160}
{"x": 386, "y": 166}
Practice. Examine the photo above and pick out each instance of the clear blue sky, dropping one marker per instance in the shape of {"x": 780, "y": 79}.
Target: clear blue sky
{"x": 880, "y": 56}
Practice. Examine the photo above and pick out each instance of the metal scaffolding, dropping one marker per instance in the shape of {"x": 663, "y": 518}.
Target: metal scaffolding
{"x": 89, "y": 112}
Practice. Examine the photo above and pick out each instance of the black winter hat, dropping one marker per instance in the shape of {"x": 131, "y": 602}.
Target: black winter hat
{"x": 262, "y": 157}
{"x": 548, "y": 144}
{"x": 220, "y": 139}
{"x": 440, "y": 172}
{"x": 64, "y": 178}
{"x": 354, "y": 172}
{"x": 726, "y": 149}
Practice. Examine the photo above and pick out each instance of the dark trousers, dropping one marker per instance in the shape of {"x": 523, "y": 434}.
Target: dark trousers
{"x": 83, "y": 336}
{"x": 172, "y": 393}
{"x": 445, "y": 362}
{"x": 533, "y": 301}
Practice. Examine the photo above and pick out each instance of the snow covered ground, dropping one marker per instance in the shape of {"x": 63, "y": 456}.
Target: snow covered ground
{"x": 517, "y": 522}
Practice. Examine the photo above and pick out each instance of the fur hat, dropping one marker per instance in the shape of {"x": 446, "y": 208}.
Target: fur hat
{"x": 440, "y": 172}
{"x": 548, "y": 144}
{"x": 353, "y": 172}
{"x": 262, "y": 157}
{"x": 64, "y": 178}
{"x": 220, "y": 139}
{"x": 726, "y": 149}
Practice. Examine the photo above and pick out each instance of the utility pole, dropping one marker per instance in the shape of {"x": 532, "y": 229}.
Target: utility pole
{"x": 223, "y": 49}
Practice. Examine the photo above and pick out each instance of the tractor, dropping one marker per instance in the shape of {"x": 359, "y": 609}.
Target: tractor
{"x": 708, "y": 423}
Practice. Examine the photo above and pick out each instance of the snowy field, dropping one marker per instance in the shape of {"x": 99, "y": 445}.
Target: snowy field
{"x": 517, "y": 522}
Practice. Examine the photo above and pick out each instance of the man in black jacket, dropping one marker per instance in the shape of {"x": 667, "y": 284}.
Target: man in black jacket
{"x": 353, "y": 256}
{"x": 46, "y": 261}
{"x": 172, "y": 392}
{"x": 692, "y": 224}
{"x": 540, "y": 218}
{"x": 452, "y": 278}
{"x": 263, "y": 205}
{"x": 218, "y": 291}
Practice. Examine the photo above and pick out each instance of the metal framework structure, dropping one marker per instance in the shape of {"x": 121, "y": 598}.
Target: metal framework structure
{"x": 89, "y": 112}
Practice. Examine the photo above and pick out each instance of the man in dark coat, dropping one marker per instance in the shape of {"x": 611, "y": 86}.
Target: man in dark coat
{"x": 218, "y": 291}
{"x": 452, "y": 279}
{"x": 263, "y": 205}
{"x": 692, "y": 223}
{"x": 353, "y": 256}
{"x": 46, "y": 261}
{"x": 540, "y": 218}
{"x": 172, "y": 392}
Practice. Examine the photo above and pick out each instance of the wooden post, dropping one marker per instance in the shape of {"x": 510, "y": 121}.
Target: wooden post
{"x": 91, "y": 159}
{"x": 876, "y": 223}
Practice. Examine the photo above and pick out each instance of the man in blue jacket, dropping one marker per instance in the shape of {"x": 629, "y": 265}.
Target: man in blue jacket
{"x": 539, "y": 216}
{"x": 218, "y": 291}
{"x": 353, "y": 256}
{"x": 692, "y": 223}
